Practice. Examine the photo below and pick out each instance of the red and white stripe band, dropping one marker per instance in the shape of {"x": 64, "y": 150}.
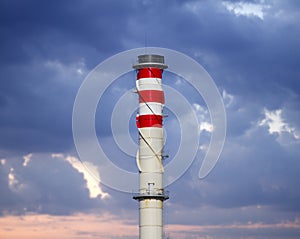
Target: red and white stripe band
{"x": 151, "y": 96}
{"x": 143, "y": 121}
{"x": 149, "y": 72}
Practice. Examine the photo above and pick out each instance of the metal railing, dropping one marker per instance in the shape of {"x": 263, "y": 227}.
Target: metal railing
{"x": 155, "y": 193}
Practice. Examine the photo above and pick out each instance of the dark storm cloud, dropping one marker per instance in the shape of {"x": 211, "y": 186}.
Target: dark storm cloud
{"x": 41, "y": 43}
{"x": 33, "y": 114}
{"x": 50, "y": 29}
{"x": 254, "y": 169}
{"x": 246, "y": 54}
{"x": 256, "y": 181}
{"x": 45, "y": 185}
{"x": 48, "y": 184}
{"x": 250, "y": 55}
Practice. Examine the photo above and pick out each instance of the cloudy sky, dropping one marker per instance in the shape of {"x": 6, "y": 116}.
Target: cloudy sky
{"x": 250, "y": 49}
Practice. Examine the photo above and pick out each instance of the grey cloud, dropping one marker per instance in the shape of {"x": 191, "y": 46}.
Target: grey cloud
{"x": 46, "y": 185}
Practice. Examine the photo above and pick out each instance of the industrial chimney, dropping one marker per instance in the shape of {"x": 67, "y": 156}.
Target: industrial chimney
{"x": 149, "y": 121}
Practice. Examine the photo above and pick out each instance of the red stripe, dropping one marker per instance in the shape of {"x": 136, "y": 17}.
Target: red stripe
{"x": 149, "y": 72}
{"x": 151, "y": 96}
{"x": 149, "y": 121}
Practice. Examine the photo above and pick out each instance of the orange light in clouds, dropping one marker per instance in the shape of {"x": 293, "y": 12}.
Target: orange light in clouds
{"x": 71, "y": 227}
{"x": 106, "y": 226}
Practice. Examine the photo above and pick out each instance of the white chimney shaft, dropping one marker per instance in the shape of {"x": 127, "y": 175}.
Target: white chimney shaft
{"x": 151, "y": 141}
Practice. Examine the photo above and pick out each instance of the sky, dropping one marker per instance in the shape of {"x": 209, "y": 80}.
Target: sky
{"x": 249, "y": 48}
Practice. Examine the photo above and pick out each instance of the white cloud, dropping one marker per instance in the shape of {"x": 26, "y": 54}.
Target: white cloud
{"x": 201, "y": 112}
{"x": 13, "y": 183}
{"x": 71, "y": 71}
{"x": 26, "y": 159}
{"x": 239, "y": 8}
{"x": 203, "y": 147}
{"x": 276, "y": 124}
{"x": 178, "y": 81}
{"x": 206, "y": 126}
{"x": 92, "y": 182}
{"x": 228, "y": 99}
{"x": 203, "y": 117}
{"x": 16, "y": 184}
{"x": 247, "y": 9}
{"x": 57, "y": 155}
{"x": 193, "y": 7}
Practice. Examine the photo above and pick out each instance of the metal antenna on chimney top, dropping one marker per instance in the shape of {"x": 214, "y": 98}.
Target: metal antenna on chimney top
{"x": 146, "y": 42}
